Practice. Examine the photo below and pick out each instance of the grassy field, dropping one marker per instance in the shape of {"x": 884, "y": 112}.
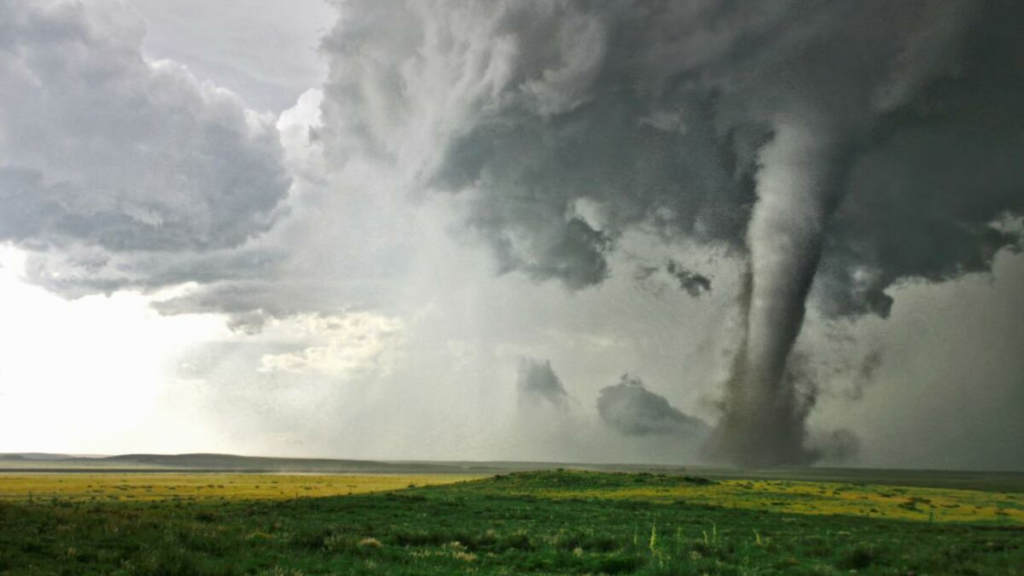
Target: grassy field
{"x": 535, "y": 522}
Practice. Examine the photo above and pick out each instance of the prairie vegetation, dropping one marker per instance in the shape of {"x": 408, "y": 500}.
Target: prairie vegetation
{"x": 800, "y": 497}
{"x": 524, "y": 523}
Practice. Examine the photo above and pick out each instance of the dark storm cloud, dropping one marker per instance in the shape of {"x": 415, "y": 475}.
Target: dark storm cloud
{"x": 538, "y": 383}
{"x": 673, "y": 274}
{"x": 633, "y": 410}
{"x": 660, "y": 111}
{"x": 844, "y": 146}
{"x": 118, "y": 172}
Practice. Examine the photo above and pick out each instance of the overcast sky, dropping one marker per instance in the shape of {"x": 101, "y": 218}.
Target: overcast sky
{"x": 519, "y": 230}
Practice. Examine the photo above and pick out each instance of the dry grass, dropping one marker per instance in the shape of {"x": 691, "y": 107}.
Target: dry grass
{"x": 196, "y": 487}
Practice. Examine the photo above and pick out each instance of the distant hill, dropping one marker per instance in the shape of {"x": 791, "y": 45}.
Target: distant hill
{"x": 235, "y": 463}
{"x": 155, "y": 463}
{"x": 35, "y": 456}
{"x": 231, "y": 462}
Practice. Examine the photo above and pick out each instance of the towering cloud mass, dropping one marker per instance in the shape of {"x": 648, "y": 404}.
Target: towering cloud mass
{"x": 838, "y": 147}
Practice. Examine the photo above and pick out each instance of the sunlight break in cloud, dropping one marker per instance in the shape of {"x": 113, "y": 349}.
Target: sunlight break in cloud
{"x": 353, "y": 346}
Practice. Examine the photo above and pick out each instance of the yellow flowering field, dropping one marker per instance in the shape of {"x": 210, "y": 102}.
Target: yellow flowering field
{"x": 202, "y": 486}
{"x": 801, "y": 497}
{"x": 910, "y": 503}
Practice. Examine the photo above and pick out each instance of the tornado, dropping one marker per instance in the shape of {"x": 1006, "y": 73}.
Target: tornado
{"x": 798, "y": 188}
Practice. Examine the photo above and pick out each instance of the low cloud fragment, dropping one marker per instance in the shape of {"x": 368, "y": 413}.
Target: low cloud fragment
{"x": 632, "y": 410}
{"x": 657, "y": 279}
{"x": 693, "y": 283}
{"x": 538, "y": 384}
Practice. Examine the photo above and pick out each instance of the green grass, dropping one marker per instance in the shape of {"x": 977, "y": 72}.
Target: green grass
{"x": 515, "y": 524}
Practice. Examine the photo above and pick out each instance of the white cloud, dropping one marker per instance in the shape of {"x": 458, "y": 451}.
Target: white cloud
{"x": 109, "y": 158}
{"x": 357, "y": 345}
{"x": 264, "y": 49}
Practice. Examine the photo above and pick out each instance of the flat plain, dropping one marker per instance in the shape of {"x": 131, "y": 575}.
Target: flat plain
{"x": 536, "y": 522}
